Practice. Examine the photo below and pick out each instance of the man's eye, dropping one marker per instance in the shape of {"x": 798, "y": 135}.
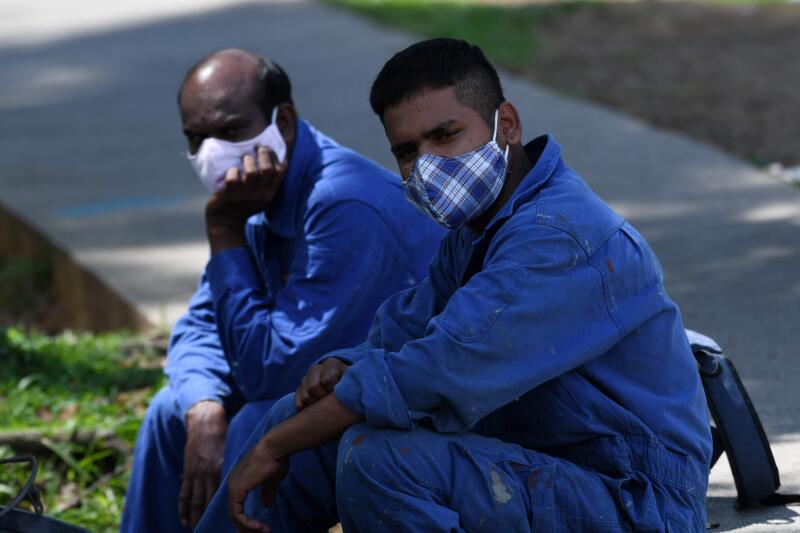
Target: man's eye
{"x": 194, "y": 142}
{"x": 405, "y": 155}
{"x": 232, "y": 131}
{"x": 446, "y": 135}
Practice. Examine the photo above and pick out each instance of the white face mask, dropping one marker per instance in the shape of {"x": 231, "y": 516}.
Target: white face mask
{"x": 214, "y": 157}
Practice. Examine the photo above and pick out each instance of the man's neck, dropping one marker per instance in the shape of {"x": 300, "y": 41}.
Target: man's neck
{"x": 522, "y": 165}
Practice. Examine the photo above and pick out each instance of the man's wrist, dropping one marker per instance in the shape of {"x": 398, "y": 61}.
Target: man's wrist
{"x": 315, "y": 425}
{"x": 268, "y": 447}
{"x": 222, "y": 236}
{"x": 204, "y": 410}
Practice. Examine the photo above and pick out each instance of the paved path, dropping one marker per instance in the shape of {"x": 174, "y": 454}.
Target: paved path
{"x": 90, "y": 152}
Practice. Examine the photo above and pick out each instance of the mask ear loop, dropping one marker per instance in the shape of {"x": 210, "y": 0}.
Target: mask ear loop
{"x": 274, "y": 115}
{"x": 494, "y": 135}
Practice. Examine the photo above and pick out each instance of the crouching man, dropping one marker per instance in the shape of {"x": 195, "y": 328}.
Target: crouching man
{"x": 539, "y": 379}
{"x": 307, "y": 239}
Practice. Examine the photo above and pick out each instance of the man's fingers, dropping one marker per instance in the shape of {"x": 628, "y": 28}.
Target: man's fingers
{"x": 330, "y": 377}
{"x": 185, "y": 501}
{"x": 232, "y": 176}
{"x": 280, "y": 166}
{"x": 278, "y": 171}
{"x": 298, "y": 405}
{"x": 250, "y": 169}
{"x": 305, "y": 398}
{"x": 317, "y": 391}
{"x": 247, "y": 525}
{"x": 198, "y": 501}
{"x": 236, "y": 511}
{"x": 314, "y": 385}
{"x": 212, "y": 484}
{"x": 264, "y": 159}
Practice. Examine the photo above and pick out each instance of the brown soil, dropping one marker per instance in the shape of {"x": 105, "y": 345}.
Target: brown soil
{"x": 43, "y": 287}
{"x": 726, "y": 74}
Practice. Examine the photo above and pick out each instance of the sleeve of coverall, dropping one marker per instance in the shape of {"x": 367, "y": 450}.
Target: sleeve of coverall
{"x": 196, "y": 366}
{"x": 271, "y": 342}
{"x": 537, "y": 310}
{"x": 405, "y": 315}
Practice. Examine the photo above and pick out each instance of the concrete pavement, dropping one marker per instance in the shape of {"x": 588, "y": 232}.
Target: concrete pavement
{"x": 91, "y": 155}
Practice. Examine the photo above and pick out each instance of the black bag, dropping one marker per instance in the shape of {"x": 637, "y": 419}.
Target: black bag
{"x": 13, "y": 520}
{"x": 737, "y": 431}
{"x": 19, "y": 521}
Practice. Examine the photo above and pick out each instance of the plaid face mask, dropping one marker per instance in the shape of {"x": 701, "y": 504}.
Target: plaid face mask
{"x": 456, "y": 190}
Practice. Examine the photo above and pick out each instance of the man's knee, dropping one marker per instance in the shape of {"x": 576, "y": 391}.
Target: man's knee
{"x": 241, "y": 428}
{"x": 261, "y": 416}
{"x": 366, "y": 452}
{"x": 247, "y": 418}
{"x": 163, "y": 417}
{"x": 283, "y": 409}
{"x": 162, "y": 435}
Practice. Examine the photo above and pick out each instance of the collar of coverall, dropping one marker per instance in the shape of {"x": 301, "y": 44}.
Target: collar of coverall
{"x": 281, "y": 217}
{"x": 546, "y": 153}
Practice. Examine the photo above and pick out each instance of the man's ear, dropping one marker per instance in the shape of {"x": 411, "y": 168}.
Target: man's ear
{"x": 287, "y": 122}
{"x": 509, "y": 124}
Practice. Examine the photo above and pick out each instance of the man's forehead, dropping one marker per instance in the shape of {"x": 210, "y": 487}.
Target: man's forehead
{"x": 424, "y": 111}
{"x": 208, "y": 92}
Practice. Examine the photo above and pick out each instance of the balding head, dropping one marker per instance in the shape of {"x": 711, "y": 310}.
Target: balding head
{"x": 229, "y": 95}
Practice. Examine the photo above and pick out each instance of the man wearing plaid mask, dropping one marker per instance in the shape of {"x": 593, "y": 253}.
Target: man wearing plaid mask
{"x": 539, "y": 379}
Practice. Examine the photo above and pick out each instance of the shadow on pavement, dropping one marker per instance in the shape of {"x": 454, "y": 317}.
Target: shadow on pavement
{"x": 720, "y": 511}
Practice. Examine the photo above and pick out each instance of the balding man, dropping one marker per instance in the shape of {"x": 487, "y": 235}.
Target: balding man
{"x": 307, "y": 238}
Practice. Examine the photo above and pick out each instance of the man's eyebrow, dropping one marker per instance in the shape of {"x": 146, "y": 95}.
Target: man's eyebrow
{"x": 438, "y": 128}
{"x": 234, "y": 119}
{"x": 397, "y": 148}
{"x": 231, "y": 120}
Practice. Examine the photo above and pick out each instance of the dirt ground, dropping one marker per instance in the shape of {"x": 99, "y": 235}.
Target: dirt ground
{"x": 725, "y": 74}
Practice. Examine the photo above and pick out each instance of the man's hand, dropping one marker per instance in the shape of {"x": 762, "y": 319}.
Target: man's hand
{"x": 244, "y": 194}
{"x": 267, "y": 463}
{"x": 207, "y": 427}
{"x": 319, "y": 382}
{"x": 261, "y": 466}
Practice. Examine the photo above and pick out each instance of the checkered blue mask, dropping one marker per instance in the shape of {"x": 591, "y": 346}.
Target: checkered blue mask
{"x": 456, "y": 190}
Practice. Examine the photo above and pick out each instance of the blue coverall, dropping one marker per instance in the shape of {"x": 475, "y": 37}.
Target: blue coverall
{"x": 539, "y": 379}
{"x": 339, "y": 241}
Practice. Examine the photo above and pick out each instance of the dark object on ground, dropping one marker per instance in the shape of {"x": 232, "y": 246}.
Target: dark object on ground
{"x": 28, "y": 490}
{"x": 14, "y": 520}
{"x": 19, "y": 521}
{"x": 739, "y": 433}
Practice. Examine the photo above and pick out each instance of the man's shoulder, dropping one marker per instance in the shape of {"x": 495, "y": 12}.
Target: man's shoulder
{"x": 568, "y": 204}
{"x": 342, "y": 174}
{"x": 336, "y": 159}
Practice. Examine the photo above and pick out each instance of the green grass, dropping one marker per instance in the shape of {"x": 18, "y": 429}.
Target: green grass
{"x": 506, "y": 34}
{"x": 57, "y": 387}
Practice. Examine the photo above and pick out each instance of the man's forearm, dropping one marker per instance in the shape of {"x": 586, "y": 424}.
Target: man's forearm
{"x": 321, "y": 422}
{"x": 222, "y": 237}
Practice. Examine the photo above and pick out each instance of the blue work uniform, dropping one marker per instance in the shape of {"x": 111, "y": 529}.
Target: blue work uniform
{"x": 539, "y": 379}
{"x": 339, "y": 240}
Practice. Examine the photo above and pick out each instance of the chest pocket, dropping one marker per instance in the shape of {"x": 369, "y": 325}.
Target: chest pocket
{"x": 475, "y": 307}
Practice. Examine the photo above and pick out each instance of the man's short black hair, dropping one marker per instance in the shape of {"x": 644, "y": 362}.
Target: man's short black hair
{"x": 437, "y": 64}
{"x": 275, "y": 87}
